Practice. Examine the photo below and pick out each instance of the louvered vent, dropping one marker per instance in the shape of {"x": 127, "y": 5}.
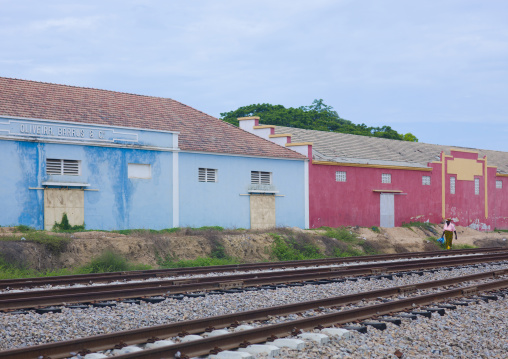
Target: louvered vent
{"x": 62, "y": 167}
{"x": 259, "y": 177}
{"x": 207, "y": 175}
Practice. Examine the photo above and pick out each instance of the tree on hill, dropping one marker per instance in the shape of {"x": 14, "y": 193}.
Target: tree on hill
{"x": 317, "y": 116}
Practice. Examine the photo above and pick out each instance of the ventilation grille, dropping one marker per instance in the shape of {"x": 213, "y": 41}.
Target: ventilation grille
{"x": 259, "y": 177}
{"x": 62, "y": 167}
{"x": 207, "y": 175}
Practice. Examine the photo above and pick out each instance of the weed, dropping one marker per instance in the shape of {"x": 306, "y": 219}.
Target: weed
{"x": 64, "y": 225}
{"x": 289, "y": 249}
{"x": 375, "y": 229}
{"x": 426, "y": 226}
{"x": 110, "y": 262}
{"x": 23, "y": 229}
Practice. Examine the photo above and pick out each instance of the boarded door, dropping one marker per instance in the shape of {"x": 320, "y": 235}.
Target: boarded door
{"x": 58, "y": 201}
{"x": 262, "y": 211}
{"x": 387, "y": 217}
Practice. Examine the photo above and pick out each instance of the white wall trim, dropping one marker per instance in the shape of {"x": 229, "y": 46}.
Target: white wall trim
{"x": 306, "y": 193}
{"x": 176, "y": 191}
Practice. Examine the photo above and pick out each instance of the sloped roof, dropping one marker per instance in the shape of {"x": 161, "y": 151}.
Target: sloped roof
{"x": 198, "y": 131}
{"x": 347, "y": 148}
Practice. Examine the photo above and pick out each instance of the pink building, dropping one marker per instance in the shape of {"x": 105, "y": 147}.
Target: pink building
{"x": 368, "y": 181}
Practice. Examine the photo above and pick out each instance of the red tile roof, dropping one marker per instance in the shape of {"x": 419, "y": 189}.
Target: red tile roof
{"x": 198, "y": 131}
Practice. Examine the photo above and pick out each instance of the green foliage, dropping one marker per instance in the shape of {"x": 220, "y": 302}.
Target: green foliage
{"x": 375, "y": 229}
{"x": 64, "y": 226}
{"x": 110, "y": 262}
{"x": 355, "y": 246}
{"x": 422, "y": 225}
{"x": 55, "y": 244}
{"x": 207, "y": 228}
{"x": 23, "y": 229}
{"x": 317, "y": 116}
{"x": 141, "y": 232}
{"x": 287, "y": 249}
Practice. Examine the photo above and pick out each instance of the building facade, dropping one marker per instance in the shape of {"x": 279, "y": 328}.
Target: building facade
{"x": 365, "y": 181}
{"x": 113, "y": 161}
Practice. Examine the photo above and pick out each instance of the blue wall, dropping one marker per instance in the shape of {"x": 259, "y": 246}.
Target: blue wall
{"x": 222, "y": 203}
{"x": 119, "y": 203}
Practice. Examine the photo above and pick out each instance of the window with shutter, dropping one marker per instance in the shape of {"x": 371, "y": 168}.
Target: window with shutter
{"x": 499, "y": 184}
{"x": 426, "y": 180}
{"x": 386, "y": 178}
{"x": 207, "y": 175}
{"x": 260, "y": 177}
{"x": 56, "y": 166}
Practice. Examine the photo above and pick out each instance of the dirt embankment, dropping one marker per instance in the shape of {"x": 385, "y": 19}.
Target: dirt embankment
{"x": 248, "y": 246}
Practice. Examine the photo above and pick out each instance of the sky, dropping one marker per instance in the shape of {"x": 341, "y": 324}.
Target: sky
{"x": 435, "y": 68}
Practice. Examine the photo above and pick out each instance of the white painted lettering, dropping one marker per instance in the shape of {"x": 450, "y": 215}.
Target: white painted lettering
{"x": 91, "y": 134}
{"x": 101, "y": 134}
{"x": 82, "y": 133}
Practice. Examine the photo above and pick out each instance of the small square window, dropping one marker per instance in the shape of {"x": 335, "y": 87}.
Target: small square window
{"x": 56, "y": 166}
{"x": 207, "y": 175}
{"x": 426, "y": 180}
{"x": 139, "y": 170}
{"x": 476, "y": 186}
{"x": 259, "y": 177}
{"x": 340, "y": 176}
{"x": 499, "y": 184}
{"x": 386, "y": 178}
{"x": 452, "y": 185}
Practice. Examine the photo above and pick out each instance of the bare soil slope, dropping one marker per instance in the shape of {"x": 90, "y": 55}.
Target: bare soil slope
{"x": 249, "y": 246}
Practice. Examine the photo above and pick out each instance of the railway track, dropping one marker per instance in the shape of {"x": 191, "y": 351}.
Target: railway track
{"x": 173, "y": 272}
{"x": 339, "y": 315}
{"x": 146, "y": 290}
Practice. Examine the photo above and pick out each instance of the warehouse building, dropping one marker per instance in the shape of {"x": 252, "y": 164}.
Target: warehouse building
{"x": 114, "y": 160}
{"x": 368, "y": 181}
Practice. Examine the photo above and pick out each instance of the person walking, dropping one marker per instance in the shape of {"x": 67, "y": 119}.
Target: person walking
{"x": 448, "y": 230}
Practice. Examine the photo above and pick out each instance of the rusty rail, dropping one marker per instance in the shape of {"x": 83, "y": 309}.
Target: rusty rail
{"x": 35, "y": 299}
{"x": 201, "y": 347}
{"x": 146, "y": 274}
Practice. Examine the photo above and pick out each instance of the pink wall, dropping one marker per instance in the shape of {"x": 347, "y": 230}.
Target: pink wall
{"x": 354, "y": 202}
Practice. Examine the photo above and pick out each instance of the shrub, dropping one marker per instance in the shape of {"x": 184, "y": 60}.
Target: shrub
{"x": 110, "y": 262}
{"x": 64, "y": 226}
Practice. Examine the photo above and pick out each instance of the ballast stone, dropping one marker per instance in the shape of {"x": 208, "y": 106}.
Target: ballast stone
{"x": 228, "y": 354}
{"x": 295, "y": 344}
{"x": 95, "y": 356}
{"x": 215, "y": 333}
{"x": 127, "y": 350}
{"x": 190, "y": 338}
{"x": 337, "y": 332}
{"x": 159, "y": 343}
{"x": 318, "y": 338}
{"x": 243, "y": 327}
{"x": 271, "y": 351}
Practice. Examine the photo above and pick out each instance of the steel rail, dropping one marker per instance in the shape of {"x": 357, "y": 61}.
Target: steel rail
{"x": 37, "y": 299}
{"x": 264, "y": 334}
{"x": 142, "y": 335}
{"x": 146, "y": 274}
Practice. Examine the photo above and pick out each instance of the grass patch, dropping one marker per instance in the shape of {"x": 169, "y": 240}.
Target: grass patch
{"x": 290, "y": 249}
{"x": 426, "y": 226}
{"x": 110, "y": 262}
{"x": 53, "y": 243}
{"x": 354, "y": 246}
{"x": 375, "y": 229}
{"x": 64, "y": 226}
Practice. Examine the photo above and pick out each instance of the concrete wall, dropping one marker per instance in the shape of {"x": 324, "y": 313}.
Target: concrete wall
{"x": 355, "y": 201}
{"x": 226, "y": 203}
{"x": 111, "y": 201}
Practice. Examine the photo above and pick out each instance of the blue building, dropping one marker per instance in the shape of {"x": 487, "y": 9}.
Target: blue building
{"x": 115, "y": 160}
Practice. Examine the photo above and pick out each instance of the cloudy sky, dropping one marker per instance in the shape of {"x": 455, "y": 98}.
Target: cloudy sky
{"x": 435, "y": 68}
